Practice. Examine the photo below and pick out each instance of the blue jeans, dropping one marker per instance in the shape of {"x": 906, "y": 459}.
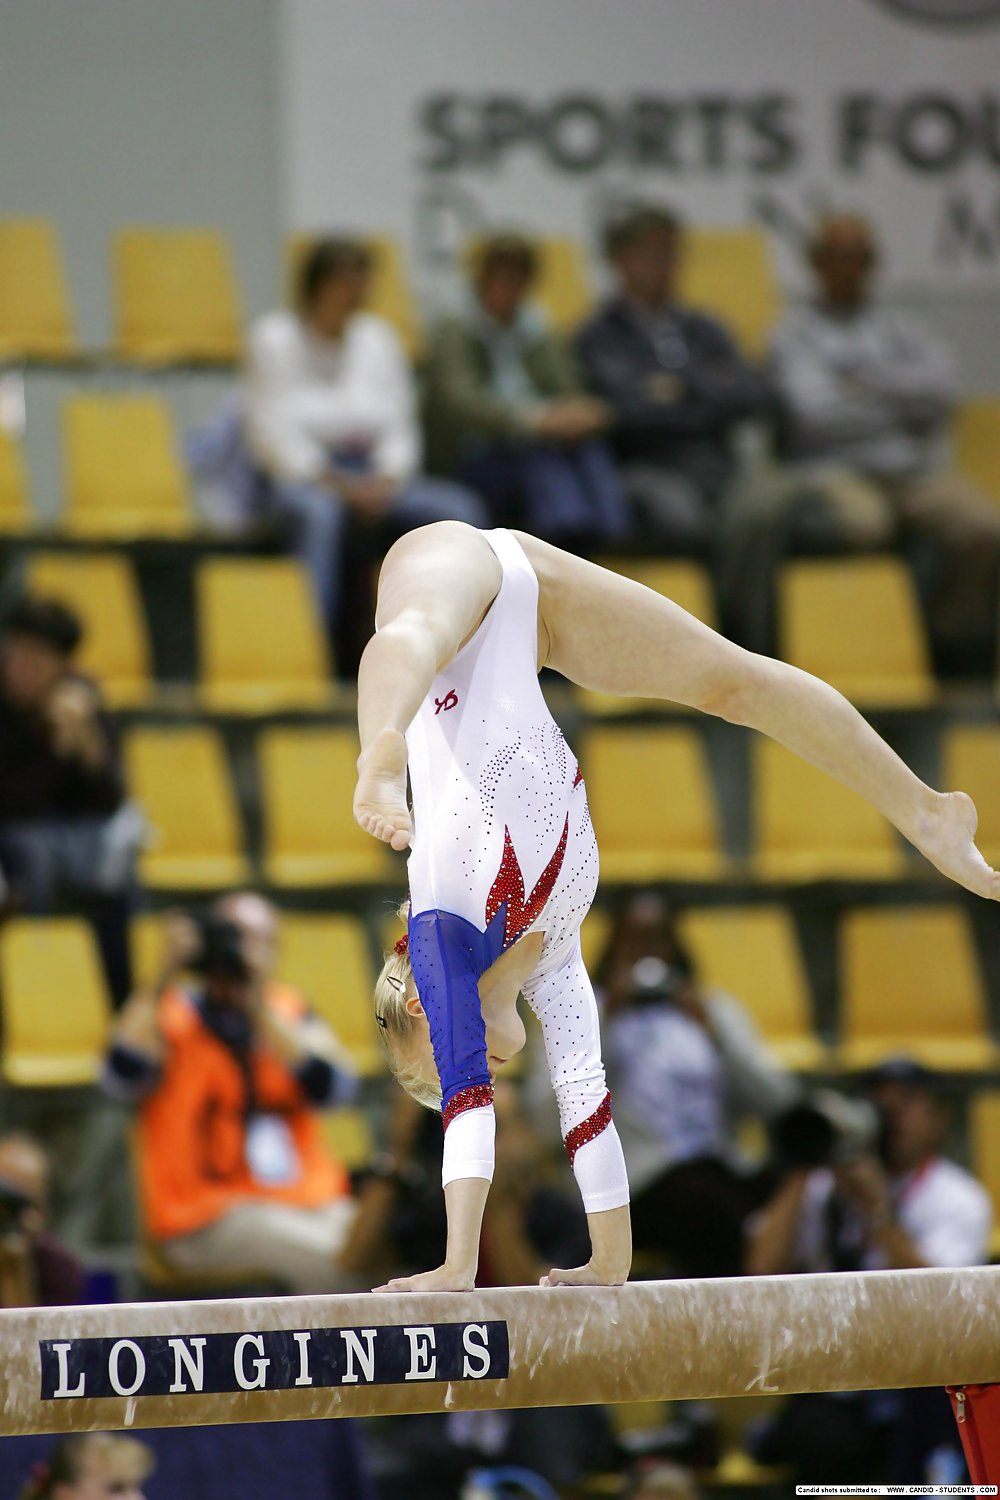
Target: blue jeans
{"x": 565, "y": 493}
{"x": 315, "y": 519}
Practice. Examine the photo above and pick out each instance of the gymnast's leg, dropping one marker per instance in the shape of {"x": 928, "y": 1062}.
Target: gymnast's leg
{"x": 435, "y": 587}
{"x": 611, "y": 634}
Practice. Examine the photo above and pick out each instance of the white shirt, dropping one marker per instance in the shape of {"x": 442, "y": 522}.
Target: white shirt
{"x": 945, "y": 1211}
{"x": 307, "y": 396}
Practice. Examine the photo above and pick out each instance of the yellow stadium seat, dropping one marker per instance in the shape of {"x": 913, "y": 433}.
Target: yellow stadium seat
{"x": 564, "y": 287}
{"x": 349, "y": 1136}
{"x": 145, "y": 940}
{"x": 102, "y": 590}
{"x": 910, "y": 983}
{"x": 15, "y": 513}
{"x": 55, "y": 1003}
{"x": 752, "y": 952}
{"x": 810, "y": 827}
{"x": 311, "y": 838}
{"x": 123, "y": 472}
{"x": 984, "y": 1142}
{"x": 687, "y": 584}
{"x": 329, "y": 959}
{"x": 970, "y": 762}
{"x": 36, "y": 318}
{"x": 730, "y": 274}
{"x": 652, "y": 804}
{"x": 977, "y": 443}
{"x": 180, "y": 778}
{"x": 175, "y": 296}
{"x": 261, "y": 644}
{"x": 390, "y": 295}
{"x": 594, "y": 936}
{"x": 857, "y": 624}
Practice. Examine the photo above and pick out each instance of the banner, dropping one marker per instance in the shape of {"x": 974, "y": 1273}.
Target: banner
{"x": 432, "y": 119}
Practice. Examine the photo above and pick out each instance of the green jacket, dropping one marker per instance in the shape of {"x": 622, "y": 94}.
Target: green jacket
{"x": 458, "y": 401}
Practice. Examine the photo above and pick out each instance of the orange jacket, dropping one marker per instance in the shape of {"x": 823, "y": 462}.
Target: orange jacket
{"x": 193, "y": 1128}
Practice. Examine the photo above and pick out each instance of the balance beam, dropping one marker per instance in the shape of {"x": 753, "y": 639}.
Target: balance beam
{"x": 174, "y": 1364}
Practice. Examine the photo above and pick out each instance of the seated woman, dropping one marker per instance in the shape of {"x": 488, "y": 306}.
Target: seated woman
{"x": 503, "y": 864}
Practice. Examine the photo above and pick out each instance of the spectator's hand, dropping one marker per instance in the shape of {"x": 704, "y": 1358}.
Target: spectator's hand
{"x": 17, "y": 1270}
{"x": 371, "y": 495}
{"x": 665, "y": 387}
{"x": 181, "y": 941}
{"x": 865, "y": 1183}
{"x": 72, "y": 715}
{"x": 570, "y": 419}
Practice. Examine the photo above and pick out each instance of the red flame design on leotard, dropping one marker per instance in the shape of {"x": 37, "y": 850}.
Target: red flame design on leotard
{"x": 509, "y": 887}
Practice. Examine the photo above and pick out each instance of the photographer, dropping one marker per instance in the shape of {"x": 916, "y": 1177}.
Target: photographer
{"x": 66, "y": 829}
{"x": 684, "y": 1064}
{"x": 869, "y": 1194}
{"x": 229, "y": 1075}
{"x": 36, "y": 1270}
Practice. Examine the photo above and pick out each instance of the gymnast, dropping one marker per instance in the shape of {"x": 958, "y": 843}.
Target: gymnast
{"x": 503, "y": 861}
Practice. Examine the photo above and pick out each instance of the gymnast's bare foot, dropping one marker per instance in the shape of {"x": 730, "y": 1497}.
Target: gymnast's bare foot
{"x": 587, "y": 1275}
{"x": 946, "y": 836}
{"x": 380, "y": 795}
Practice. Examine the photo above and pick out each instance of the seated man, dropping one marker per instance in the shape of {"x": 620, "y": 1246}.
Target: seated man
{"x": 900, "y": 1204}
{"x": 674, "y": 380}
{"x": 65, "y": 827}
{"x": 505, "y": 409}
{"x": 229, "y": 1074}
{"x": 865, "y": 396}
{"x": 331, "y": 420}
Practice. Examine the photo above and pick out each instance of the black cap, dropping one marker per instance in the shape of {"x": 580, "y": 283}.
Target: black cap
{"x": 905, "y": 1070}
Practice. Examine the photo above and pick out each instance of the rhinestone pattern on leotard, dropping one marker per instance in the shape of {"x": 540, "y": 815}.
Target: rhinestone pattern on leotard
{"x": 589, "y": 1128}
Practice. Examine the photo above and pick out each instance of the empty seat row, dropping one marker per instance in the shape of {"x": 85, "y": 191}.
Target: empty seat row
{"x": 910, "y": 982}
{"x": 854, "y": 622}
{"x": 261, "y": 646}
{"x": 649, "y": 791}
{"x": 175, "y": 294}
{"x": 123, "y": 472}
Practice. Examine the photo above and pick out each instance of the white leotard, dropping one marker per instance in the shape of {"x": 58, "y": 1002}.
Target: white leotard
{"x": 500, "y": 814}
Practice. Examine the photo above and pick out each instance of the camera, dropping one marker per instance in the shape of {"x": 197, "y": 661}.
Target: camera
{"x": 654, "y": 982}
{"x": 13, "y": 1206}
{"x": 826, "y": 1130}
{"x": 220, "y": 949}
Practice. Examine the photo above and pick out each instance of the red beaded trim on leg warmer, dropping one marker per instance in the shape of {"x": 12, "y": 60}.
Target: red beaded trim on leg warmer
{"x": 478, "y": 1097}
{"x": 589, "y": 1128}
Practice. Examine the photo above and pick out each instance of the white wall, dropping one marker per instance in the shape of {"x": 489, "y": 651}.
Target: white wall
{"x": 150, "y": 111}
{"x": 364, "y": 79}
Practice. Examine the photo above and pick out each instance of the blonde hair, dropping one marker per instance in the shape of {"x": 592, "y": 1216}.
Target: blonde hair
{"x": 396, "y": 1025}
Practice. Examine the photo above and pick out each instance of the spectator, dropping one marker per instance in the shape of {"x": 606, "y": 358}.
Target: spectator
{"x": 331, "y": 420}
{"x": 229, "y": 1075}
{"x": 92, "y": 1466}
{"x": 683, "y": 1064}
{"x": 658, "y": 1481}
{"x": 505, "y": 409}
{"x": 65, "y": 827}
{"x": 674, "y": 380}
{"x": 905, "y": 1205}
{"x": 36, "y": 1270}
{"x": 865, "y": 397}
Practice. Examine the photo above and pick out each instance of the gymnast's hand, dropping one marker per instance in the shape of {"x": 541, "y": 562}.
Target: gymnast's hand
{"x": 444, "y": 1279}
{"x": 945, "y": 834}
